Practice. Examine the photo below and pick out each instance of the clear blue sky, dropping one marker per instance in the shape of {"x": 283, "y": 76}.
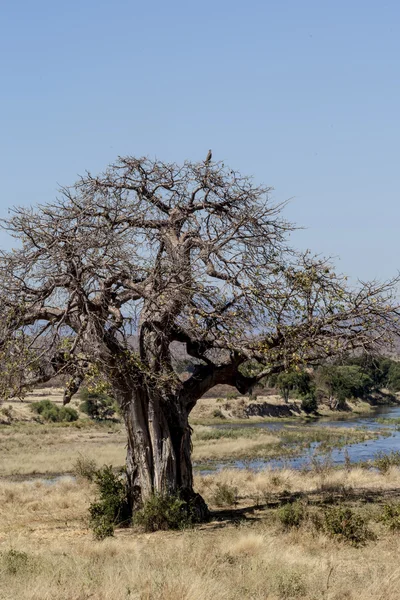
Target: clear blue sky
{"x": 304, "y": 95}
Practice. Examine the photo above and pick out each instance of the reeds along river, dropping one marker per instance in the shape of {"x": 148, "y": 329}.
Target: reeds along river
{"x": 380, "y": 420}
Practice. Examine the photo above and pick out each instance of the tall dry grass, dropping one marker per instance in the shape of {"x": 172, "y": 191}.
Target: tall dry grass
{"x": 47, "y": 551}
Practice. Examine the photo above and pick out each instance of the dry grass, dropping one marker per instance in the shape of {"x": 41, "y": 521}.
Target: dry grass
{"x": 256, "y": 485}
{"x": 59, "y": 560}
{"x": 240, "y": 447}
{"x": 47, "y": 551}
{"x": 32, "y": 448}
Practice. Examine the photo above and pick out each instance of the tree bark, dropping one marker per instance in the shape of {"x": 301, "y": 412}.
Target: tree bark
{"x": 159, "y": 450}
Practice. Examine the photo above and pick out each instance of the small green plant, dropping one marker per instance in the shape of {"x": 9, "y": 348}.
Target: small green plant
{"x": 217, "y": 414}
{"x": 232, "y": 395}
{"x": 225, "y": 495}
{"x": 85, "y": 468}
{"x": 391, "y": 516}
{"x": 346, "y": 525}
{"x": 97, "y": 405}
{"x": 111, "y": 508}
{"x": 162, "y": 512}
{"x": 48, "y": 411}
{"x": 383, "y": 461}
{"x": 292, "y": 514}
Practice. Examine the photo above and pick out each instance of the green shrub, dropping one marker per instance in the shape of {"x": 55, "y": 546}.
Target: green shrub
{"x": 383, "y": 461}
{"x": 217, "y": 414}
{"x": 161, "y": 512}
{"x": 345, "y": 381}
{"x": 97, "y": 405}
{"x": 49, "y": 411}
{"x": 224, "y": 495}
{"x": 111, "y": 508}
{"x": 391, "y": 516}
{"x": 295, "y": 381}
{"x": 292, "y": 514}
{"x": 232, "y": 395}
{"x": 393, "y": 377}
{"x": 309, "y": 404}
{"x": 68, "y": 414}
{"x": 345, "y": 524}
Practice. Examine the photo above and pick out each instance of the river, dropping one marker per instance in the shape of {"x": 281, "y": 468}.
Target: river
{"x": 359, "y": 452}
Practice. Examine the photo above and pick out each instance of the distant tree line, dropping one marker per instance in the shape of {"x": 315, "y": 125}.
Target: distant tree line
{"x": 356, "y": 377}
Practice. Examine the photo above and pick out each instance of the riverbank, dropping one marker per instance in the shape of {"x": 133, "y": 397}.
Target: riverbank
{"x": 30, "y": 448}
{"x": 209, "y": 411}
{"x": 215, "y": 447}
{"x": 248, "y": 550}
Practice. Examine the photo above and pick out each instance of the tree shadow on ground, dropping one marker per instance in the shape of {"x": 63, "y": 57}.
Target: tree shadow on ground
{"x": 333, "y": 496}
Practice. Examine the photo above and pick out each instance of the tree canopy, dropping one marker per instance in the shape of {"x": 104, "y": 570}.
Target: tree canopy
{"x": 201, "y": 250}
{"x": 109, "y": 278}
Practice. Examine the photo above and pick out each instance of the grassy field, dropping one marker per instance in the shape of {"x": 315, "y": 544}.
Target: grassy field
{"x": 247, "y": 551}
{"x": 47, "y": 551}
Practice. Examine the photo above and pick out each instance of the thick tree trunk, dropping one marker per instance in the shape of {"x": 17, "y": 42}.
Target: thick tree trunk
{"x": 159, "y": 450}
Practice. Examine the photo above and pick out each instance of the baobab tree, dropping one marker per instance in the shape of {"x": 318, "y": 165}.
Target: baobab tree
{"x": 193, "y": 255}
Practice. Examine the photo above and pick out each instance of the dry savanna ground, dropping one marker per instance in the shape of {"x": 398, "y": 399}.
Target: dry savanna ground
{"x": 47, "y": 550}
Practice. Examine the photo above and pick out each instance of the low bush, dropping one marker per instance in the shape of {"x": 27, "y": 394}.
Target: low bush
{"x": 224, "y": 495}
{"x": 346, "y": 525}
{"x": 391, "y": 516}
{"x": 85, "y": 468}
{"x": 111, "y": 508}
{"x": 217, "y": 414}
{"x": 309, "y": 404}
{"x": 49, "y": 411}
{"x": 162, "y": 512}
{"x": 292, "y": 514}
{"x": 97, "y": 405}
